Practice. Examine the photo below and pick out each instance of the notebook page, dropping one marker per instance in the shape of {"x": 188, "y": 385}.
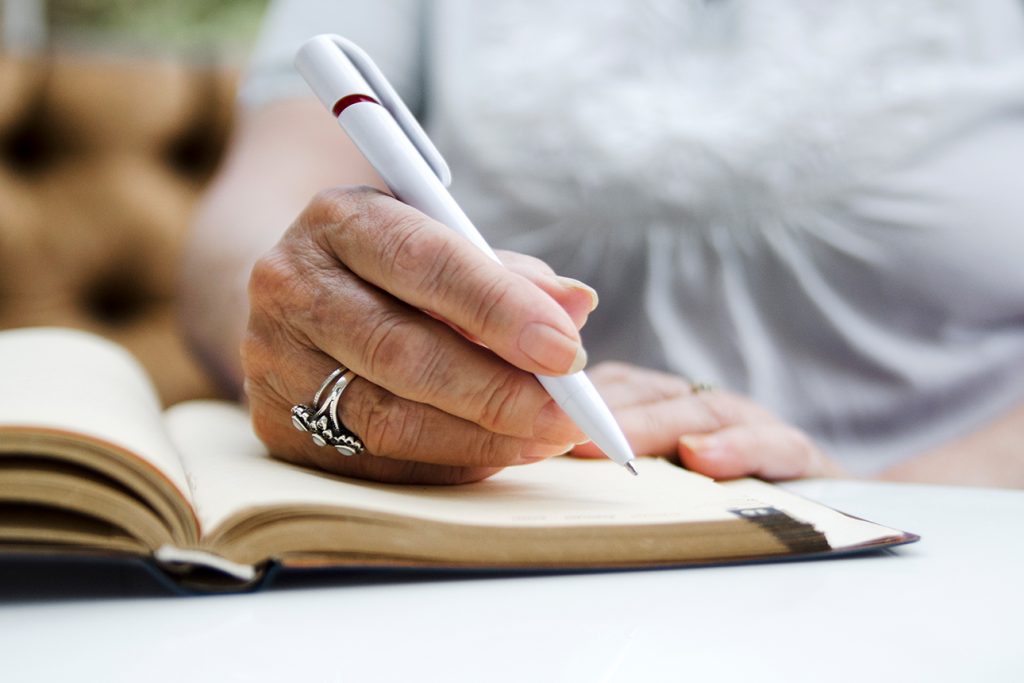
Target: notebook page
{"x": 231, "y": 472}
{"x": 70, "y": 381}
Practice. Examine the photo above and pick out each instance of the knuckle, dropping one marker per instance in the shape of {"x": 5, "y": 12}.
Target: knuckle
{"x": 260, "y": 353}
{"x": 425, "y": 369}
{"x": 494, "y": 450}
{"x": 653, "y": 422}
{"x": 321, "y": 311}
{"x": 277, "y": 299}
{"x": 500, "y": 404}
{"x": 255, "y": 355}
{"x": 272, "y": 274}
{"x": 385, "y": 344}
{"x": 412, "y": 253}
{"x": 490, "y": 307}
{"x": 720, "y": 408}
{"x": 270, "y": 365}
{"x": 264, "y": 383}
{"x": 336, "y": 205}
{"x": 281, "y": 287}
{"x": 332, "y": 215}
{"x": 389, "y": 426}
{"x": 290, "y": 296}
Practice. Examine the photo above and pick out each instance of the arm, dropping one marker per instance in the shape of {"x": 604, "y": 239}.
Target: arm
{"x": 281, "y": 155}
{"x": 991, "y": 456}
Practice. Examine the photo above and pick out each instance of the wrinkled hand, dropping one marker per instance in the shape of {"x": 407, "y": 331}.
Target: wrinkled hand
{"x": 716, "y": 433}
{"x": 348, "y": 285}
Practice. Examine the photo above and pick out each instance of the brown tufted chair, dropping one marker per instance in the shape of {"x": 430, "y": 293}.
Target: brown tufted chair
{"x": 101, "y": 163}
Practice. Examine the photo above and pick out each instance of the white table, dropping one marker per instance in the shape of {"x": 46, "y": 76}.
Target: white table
{"x": 947, "y": 608}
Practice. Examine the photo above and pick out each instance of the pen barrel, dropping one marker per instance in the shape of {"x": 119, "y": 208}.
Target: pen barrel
{"x": 578, "y": 397}
{"x": 403, "y": 169}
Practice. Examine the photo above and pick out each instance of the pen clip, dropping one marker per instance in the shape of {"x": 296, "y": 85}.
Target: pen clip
{"x": 390, "y": 100}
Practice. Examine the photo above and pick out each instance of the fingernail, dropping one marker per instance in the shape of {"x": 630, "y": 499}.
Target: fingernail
{"x": 579, "y": 362}
{"x": 575, "y": 284}
{"x": 551, "y": 349}
{"x": 552, "y": 424}
{"x": 534, "y": 452}
{"x": 705, "y": 446}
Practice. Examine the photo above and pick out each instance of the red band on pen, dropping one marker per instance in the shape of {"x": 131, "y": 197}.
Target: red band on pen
{"x": 348, "y": 100}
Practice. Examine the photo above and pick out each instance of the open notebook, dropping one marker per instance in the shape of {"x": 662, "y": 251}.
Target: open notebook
{"x": 89, "y": 463}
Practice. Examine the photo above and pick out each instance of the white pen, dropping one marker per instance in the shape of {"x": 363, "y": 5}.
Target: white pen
{"x": 355, "y": 91}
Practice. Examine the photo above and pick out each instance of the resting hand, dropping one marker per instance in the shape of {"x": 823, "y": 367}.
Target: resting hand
{"x": 716, "y": 433}
{"x": 348, "y": 285}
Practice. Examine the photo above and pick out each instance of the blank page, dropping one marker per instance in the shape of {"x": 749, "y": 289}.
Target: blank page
{"x": 231, "y": 472}
{"x": 70, "y": 381}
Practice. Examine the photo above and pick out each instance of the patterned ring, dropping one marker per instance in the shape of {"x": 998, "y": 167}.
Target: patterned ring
{"x": 321, "y": 419}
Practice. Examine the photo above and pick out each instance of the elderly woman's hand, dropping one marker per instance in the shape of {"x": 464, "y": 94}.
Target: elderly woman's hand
{"x": 715, "y": 432}
{"x": 442, "y": 397}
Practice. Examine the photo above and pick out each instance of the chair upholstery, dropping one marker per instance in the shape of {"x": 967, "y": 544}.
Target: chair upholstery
{"x": 101, "y": 163}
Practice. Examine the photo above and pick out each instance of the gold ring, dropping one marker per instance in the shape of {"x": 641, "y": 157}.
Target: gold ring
{"x": 701, "y": 387}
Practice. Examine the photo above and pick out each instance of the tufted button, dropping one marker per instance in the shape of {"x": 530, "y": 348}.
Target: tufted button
{"x": 19, "y": 89}
{"x": 102, "y": 164}
{"x": 198, "y": 148}
{"x": 115, "y": 299}
{"x": 18, "y": 82}
{"x": 98, "y": 105}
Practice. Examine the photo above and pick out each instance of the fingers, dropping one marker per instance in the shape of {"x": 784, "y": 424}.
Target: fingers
{"x": 655, "y": 428}
{"x": 625, "y": 385}
{"x": 394, "y": 430}
{"x": 400, "y": 349}
{"x": 394, "y": 427}
{"x": 429, "y": 266}
{"x": 272, "y": 363}
{"x": 286, "y": 443}
{"x": 655, "y": 408}
{"x": 715, "y": 433}
{"x": 282, "y": 370}
{"x": 766, "y": 450}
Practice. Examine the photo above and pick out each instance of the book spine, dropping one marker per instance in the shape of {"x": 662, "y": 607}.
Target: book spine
{"x": 200, "y": 571}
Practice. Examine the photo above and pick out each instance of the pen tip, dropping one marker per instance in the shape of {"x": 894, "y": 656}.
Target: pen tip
{"x": 632, "y": 468}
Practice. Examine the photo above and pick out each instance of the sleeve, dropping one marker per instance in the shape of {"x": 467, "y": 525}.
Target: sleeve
{"x": 391, "y": 31}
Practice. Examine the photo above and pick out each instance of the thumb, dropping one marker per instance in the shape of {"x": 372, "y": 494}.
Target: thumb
{"x": 767, "y": 450}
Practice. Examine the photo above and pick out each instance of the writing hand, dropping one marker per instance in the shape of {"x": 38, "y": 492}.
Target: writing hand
{"x": 348, "y": 285}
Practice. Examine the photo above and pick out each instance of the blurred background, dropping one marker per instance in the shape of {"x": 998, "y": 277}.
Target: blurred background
{"x": 114, "y": 115}
{"x": 190, "y": 29}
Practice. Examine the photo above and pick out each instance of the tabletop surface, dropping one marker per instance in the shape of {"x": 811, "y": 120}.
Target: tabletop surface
{"x": 946, "y": 608}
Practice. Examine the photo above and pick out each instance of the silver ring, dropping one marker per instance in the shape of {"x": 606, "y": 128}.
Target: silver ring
{"x": 330, "y": 378}
{"x": 701, "y": 387}
{"x": 339, "y": 389}
{"x": 320, "y": 419}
